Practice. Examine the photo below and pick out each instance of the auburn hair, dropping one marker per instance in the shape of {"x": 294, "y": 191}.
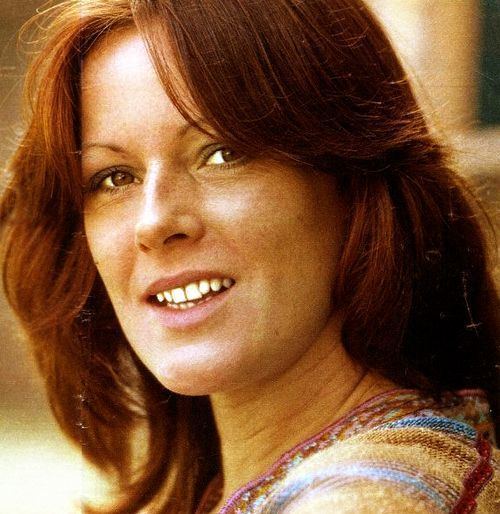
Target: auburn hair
{"x": 315, "y": 83}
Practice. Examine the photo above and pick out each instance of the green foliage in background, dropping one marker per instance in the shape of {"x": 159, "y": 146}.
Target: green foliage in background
{"x": 489, "y": 84}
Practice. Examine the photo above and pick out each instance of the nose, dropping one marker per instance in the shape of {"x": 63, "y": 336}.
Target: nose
{"x": 168, "y": 211}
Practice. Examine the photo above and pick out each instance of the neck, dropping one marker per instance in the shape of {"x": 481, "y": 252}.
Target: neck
{"x": 257, "y": 425}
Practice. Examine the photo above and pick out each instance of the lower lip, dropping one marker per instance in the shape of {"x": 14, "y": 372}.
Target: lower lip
{"x": 179, "y": 319}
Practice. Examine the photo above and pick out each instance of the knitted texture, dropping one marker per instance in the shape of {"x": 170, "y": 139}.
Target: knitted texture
{"x": 399, "y": 452}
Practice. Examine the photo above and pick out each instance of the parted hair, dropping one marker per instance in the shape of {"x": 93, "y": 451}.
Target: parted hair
{"x": 313, "y": 82}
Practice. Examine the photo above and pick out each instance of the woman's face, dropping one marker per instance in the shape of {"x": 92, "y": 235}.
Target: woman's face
{"x": 170, "y": 213}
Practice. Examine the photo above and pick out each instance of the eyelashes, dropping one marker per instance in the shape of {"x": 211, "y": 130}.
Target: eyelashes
{"x": 117, "y": 179}
{"x": 221, "y": 156}
{"x": 111, "y": 180}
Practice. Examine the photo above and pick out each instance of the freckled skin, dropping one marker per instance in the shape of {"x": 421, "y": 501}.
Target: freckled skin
{"x": 275, "y": 229}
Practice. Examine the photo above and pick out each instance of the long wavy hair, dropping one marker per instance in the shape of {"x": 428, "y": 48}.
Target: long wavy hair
{"x": 313, "y": 82}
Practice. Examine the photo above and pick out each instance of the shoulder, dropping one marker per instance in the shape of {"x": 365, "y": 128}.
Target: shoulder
{"x": 417, "y": 464}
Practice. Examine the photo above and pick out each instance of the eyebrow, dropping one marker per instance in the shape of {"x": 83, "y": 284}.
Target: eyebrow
{"x": 112, "y": 147}
{"x": 180, "y": 133}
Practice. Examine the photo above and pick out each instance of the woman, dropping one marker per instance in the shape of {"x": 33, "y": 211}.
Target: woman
{"x": 227, "y": 228}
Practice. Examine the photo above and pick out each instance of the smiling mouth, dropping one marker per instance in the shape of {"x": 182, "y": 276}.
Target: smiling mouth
{"x": 192, "y": 294}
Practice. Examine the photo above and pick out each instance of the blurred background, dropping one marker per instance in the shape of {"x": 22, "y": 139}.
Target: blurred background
{"x": 40, "y": 473}
{"x": 450, "y": 48}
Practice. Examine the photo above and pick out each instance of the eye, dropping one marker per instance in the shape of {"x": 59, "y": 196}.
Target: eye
{"x": 111, "y": 180}
{"x": 222, "y": 155}
{"x": 118, "y": 179}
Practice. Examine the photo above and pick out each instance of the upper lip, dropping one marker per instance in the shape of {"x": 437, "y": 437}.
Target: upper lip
{"x": 182, "y": 279}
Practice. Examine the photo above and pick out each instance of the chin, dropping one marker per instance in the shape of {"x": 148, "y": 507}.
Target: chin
{"x": 191, "y": 385}
{"x": 196, "y": 376}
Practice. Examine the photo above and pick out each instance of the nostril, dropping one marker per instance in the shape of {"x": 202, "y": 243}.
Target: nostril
{"x": 174, "y": 237}
{"x": 158, "y": 228}
{"x": 142, "y": 247}
{"x": 146, "y": 246}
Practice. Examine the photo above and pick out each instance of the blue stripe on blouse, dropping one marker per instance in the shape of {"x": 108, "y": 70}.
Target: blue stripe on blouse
{"x": 338, "y": 475}
{"x": 450, "y": 426}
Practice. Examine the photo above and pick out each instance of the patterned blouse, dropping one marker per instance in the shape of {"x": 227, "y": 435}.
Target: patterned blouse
{"x": 399, "y": 452}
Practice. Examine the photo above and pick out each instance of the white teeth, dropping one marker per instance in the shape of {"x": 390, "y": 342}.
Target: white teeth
{"x": 204, "y": 286}
{"x": 184, "y": 297}
{"x": 192, "y": 292}
{"x": 215, "y": 284}
{"x": 179, "y": 295}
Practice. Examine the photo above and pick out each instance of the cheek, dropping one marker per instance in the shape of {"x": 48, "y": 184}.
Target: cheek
{"x": 289, "y": 235}
{"x": 256, "y": 210}
{"x": 110, "y": 240}
{"x": 283, "y": 220}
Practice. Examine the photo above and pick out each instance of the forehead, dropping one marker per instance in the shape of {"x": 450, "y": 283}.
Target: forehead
{"x": 121, "y": 92}
{"x": 118, "y": 65}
